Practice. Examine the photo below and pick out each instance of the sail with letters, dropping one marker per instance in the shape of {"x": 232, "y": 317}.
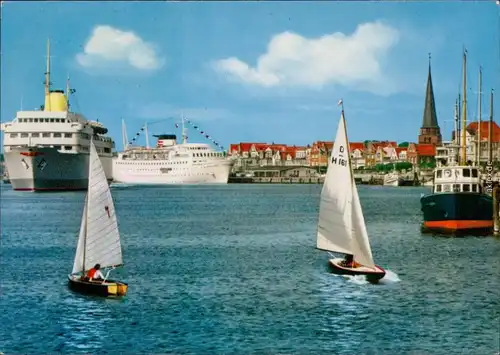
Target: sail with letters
{"x": 341, "y": 225}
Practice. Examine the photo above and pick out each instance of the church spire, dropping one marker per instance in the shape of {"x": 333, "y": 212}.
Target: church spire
{"x": 430, "y": 116}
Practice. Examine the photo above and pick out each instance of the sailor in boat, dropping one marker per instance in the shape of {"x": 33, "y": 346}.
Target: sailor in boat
{"x": 349, "y": 261}
{"x": 95, "y": 274}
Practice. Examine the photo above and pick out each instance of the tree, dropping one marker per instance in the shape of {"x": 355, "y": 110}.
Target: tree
{"x": 404, "y": 166}
{"x": 404, "y": 145}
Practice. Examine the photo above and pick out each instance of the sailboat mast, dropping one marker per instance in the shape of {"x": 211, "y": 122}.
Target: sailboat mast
{"x": 490, "y": 129}
{"x": 478, "y": 132}
{"x": 464, "y": 111}
{"x": 85, "y": 227}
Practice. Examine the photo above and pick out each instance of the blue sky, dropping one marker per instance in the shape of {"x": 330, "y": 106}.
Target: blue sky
{"x": 252, "y": 71}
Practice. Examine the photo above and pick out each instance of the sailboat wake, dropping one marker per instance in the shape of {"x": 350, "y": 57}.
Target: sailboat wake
{"x": 389, "y": 278}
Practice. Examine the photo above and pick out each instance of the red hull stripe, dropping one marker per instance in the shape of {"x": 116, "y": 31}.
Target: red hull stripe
{"x": 31, "y": 154}
{"x": 458, "y": 225}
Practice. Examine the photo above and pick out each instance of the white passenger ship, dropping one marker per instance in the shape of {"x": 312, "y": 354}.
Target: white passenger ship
{"x": 48, "y": 149}
{"x": 171, "y": 163}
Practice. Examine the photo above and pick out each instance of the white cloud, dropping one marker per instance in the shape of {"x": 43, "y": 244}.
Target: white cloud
{"x": 109, "y": 45}
{"x": 353, "y": 60}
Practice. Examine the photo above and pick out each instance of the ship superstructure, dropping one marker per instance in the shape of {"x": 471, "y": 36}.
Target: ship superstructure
{"x": 171, "y": 163}
{"x": 48, "y": 149}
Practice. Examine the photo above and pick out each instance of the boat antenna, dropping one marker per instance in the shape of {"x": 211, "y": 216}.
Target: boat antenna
{"x": 47, "y": 75}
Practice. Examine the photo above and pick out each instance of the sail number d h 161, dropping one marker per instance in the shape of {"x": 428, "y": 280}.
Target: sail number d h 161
{"x": 340, "y": 160}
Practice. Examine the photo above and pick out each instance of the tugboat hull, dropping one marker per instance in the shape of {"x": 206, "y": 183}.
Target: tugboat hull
{"x": 457, "y": 213}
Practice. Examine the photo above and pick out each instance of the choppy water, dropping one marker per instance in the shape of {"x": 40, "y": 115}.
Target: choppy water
{"x": 234, "y": 269}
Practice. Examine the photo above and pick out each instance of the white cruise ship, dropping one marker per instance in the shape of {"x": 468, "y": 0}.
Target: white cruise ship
{"x": 48, "y": 149}
{"x": 171, "y": 163}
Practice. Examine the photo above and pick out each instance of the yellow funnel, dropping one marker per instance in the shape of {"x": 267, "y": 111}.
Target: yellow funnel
{"x": 56, "y": 101}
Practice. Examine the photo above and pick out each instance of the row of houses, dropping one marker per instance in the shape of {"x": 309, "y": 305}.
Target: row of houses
{"x": 363, "y": 154}
{"x": 366, "y": 154}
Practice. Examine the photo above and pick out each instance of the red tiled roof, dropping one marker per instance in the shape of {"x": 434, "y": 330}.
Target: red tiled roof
{"x": 233, "y": 147}
{"x": 495, "y": 130}
{"x": 400, "y": 149}
{"x": 426, "y": 150}
{"x": 356, "y": 145}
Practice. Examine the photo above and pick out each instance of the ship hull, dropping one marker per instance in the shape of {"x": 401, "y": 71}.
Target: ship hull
{"x": 46, "y": 169}
{"x": 457, "y": 213}
{"x": 157, "y": 173}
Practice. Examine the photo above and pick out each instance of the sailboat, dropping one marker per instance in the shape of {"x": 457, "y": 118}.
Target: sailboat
{"x": 341, "y": 225}
{"x": 99, "y": 239}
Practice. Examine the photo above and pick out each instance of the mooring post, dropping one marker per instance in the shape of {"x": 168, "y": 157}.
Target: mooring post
{"x": 496, "y": 218}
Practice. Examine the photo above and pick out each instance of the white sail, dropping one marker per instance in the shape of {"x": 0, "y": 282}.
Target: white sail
{"x": 341, "y": 226}
{"x": 360, "y": 243}
{"x": 78, "y": 264}
{"x": 335, "y": 211}
{"x": 102, "y": 238}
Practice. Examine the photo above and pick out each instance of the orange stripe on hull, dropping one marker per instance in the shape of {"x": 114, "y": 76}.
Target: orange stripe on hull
{"x": 455, "y": 225}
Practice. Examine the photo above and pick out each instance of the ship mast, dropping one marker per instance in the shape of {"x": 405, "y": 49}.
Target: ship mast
{"x": 464, "y": 112}
{"x": 478, "y": 132}
{"x": 184, "y": 137}
{"x": 490, "y": 129}
{"x": 146, "y": 132}
{"x": 124, "y": 135}
{"x": 47, "y": 76}
{"x": 67, "y": 91}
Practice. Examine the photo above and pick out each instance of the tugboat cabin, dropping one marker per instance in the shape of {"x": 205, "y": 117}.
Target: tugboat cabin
{"x": 457, "y": 179}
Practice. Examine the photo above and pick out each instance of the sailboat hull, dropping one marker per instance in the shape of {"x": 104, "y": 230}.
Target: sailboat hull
{"x": 371, "y": 275}
{"x": 110, "y": 288}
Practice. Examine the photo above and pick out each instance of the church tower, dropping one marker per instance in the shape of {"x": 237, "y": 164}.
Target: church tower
{"x": 430, "y": 133}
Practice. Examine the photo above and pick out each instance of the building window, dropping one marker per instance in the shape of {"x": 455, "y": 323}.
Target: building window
{"x": 68, "y": 135}
{"x": 474, "y": 188}
{"x": 13, "y": 135}
{"x": 438, "y": 188}
{"x": 474, "y": 173}
{"x": 35, "y": 134}
{"x": 46, "y": 135}
{"x": 456, "y": 187}
{"x": 439, "y": 173}
{"x": 465, "y": 187}
{"x": 466, "y": 172}
{"x": 67, "y": 147}
{"x": 57, "y": 135}
{"x": 24, "y": 135}
{"x": 58, "y": 147}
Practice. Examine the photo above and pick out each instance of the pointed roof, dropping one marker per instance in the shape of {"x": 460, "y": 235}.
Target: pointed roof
{"x": 430, "y": 116}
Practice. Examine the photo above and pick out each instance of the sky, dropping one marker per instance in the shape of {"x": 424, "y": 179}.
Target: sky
{"x": 252, "y": 71}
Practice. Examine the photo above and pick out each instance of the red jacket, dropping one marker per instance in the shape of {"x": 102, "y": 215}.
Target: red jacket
{"x": 91, "y": 273}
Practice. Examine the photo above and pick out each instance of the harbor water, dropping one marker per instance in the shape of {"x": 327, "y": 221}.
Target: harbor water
{"x": 234, "y": 269}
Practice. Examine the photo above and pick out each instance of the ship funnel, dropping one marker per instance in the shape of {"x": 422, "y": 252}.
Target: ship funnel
{"x": 55, "y": 101}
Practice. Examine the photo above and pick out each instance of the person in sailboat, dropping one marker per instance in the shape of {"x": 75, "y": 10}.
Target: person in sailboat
{"x": 349, "y": 261}
{"x": 95, "y": 273}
